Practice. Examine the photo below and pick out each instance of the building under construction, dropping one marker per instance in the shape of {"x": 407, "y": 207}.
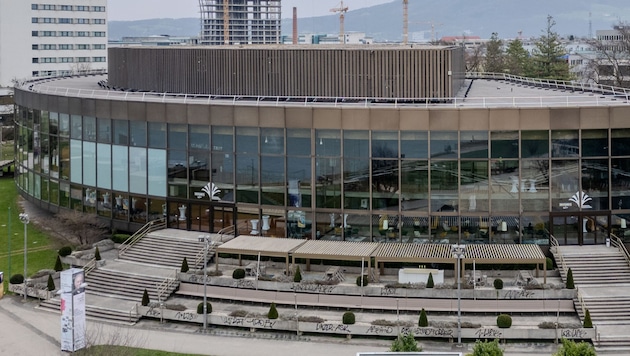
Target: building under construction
{"x": 240, "y": 22}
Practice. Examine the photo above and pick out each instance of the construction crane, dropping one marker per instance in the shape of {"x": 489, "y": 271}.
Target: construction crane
{"x": 341, "y": 10}
{"x": 226, "y": 22}
{"x": 433, "y": 26}
{"x": 405, "y": 21}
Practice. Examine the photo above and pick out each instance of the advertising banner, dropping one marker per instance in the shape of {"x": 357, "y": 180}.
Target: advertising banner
{"x": 73, "y": 327}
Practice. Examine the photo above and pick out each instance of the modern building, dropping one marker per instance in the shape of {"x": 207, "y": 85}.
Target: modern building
{"x": 58, "y": 37}
{"x": 360, "y": 143}
{"x": 240, "y": 22}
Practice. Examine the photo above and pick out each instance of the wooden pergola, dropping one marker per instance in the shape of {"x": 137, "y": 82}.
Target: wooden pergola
{"x": 335, "y": 250}
{"x": 265, "y": 246}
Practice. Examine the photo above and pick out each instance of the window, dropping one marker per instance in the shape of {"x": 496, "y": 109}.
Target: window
{"x": 66, "y": 59}
{"x": 98, "y": 21}
{"x": 65, "y": 33}
{"x": 83, "y": 8}
{"x": 98, "y": 59}
{"x": 48, "y": 20}
{"x": 34, "y": 33}
{"x": 48, "y": 33}
{"x": 47, "y": 7}
{"x": 83, "y": 59}
{"x": 65, "y": 20}
{"x": 35, "y": 73}
{"x": 34, "y": 20}
{"x": 83, "y": 34}
{"x": 83, "y": 21}
{"x": 98, "y": 46}
{"x": 49, "y": 46}
{"x": 99, "y": 33}
{"x": 33, "y": 6}
{"x": 35, "y": 47}
{"x": 65, "y": 7}
{"x": 48, "y": 60}
{"x": 35, "y": 60}
{"x": 98, "y": 8}
{"x": 83, "y": 46}
{"x": 65, "y": 46}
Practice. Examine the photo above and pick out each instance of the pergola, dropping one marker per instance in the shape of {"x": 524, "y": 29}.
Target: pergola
{"x": 335, "y": 250}
{"x": 265, "y": 246}
{"x": 477, "y": 253}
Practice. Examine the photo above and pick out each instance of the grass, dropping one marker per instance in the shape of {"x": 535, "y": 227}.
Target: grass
{"x": 6, "y": 150}
{"x": 42, "y": 251}
{"x": 127, "y": 351}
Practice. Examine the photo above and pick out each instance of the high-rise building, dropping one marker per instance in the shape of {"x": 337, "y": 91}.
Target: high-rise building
{"x": 240, "y": 22}
{"x": 58, "y": 37}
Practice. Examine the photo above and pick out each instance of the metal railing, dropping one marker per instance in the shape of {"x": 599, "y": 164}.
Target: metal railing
{"x": 615, "y": 241}
{"x": 559, "y": 257}
{"x": 89, "y": 267}
{"x": 138, "y": 235}
{"x": 580, "y": 301}
{"x": 166, "y": 285}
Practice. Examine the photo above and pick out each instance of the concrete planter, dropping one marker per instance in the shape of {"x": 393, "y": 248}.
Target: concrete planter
{"x": 31, "y": 291}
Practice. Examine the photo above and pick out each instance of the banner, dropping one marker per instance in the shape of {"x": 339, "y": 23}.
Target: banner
{"x": 73, "y": 310}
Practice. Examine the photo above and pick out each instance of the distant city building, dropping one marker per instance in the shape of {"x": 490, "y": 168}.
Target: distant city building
{"x": 59, "y": 37}
{"x": 618, "y": 70}
{"x": 312, "y": 38}
{"x": 160, "y": 41}
{"x": 249, "y": 22}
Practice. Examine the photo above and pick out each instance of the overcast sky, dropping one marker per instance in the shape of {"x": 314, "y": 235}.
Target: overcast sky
{"x": 125, "y": 10}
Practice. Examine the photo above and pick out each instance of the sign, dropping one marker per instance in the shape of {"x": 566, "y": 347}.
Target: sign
{"x": 72, "y": 309}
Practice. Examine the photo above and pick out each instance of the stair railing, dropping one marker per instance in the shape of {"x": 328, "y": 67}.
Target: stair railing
{"x": 199, "y": 258}
{"x": 138, "y": 235}
{"x": 133, "y": 313}
{"x": 581, "y": 301}
{"x": 618, "y": 243}
{"x": 559, "y": 258}
{"x": 166, "y": 285}
{"x": 89, "y": 267}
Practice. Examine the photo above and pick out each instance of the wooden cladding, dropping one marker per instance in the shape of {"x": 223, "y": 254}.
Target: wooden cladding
{"x": 295, "y": 71}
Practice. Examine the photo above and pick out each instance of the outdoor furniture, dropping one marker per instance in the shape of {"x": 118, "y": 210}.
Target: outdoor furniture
{"x": 334, "y": 273}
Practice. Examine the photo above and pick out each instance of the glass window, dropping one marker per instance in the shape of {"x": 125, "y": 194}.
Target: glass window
{"x": 272, "y": 141}
{"x": 535, "y": 173}
{"x": 328, "y": 143}
{"x": 64, "y": 125}
{"x": 157, "y": 134}
{"x": 534, "y": 144}
{"x": 272, "y": 180}
{"x": 76, "y": 161}
{"x": 504, "y": 144}
{"x": 474, "y": 144}
{"x": 247, "y": 170}
{"x": 474, "y": 185}
{"x": 385, "y": 193}
{"x": 120, "y": 168}
{"x": 104, "y": 166}
{"x": 223, "y": 174}
{"x": 505, "y": 186}
{"x": 564, "y": 143}
{"x": 299, "y": 181}
{"x": 298, "y": 142}
{"x": 356, "y": 178}
{"x": 620, "y": 170}
{"x": 564, "y": 183}
{"x": 138, "y": 170}
{"x": 444, "y": 186}
{"x": 89, "y": 163}
{"x": 594, "y": 143}
{"x": 621, "y": 142}
{"x": 444, "y": 144}
{"x": 356, "y": 144}
{"x": 157, "y": 172}
{"x": 138, "y": 131}
{"x": 77, "y": 130}
{"x": 414, "y": 144}
{"x": 177, "y": 136}
{"x": 222, "y": 139}
{"x": 595, "y": 182}
{"x": 328, "y": 190}
{"x": 121, "y": 132}
{"x": 177, "y": 173}
{"x": 414, "y": 185}
{"x": 199, "y": 136}
{"x": 385, "y": 144}
{"x": 247, "y": 140}
{"x": 104, "y": 130}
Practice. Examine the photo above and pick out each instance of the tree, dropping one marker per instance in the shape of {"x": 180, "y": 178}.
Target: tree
{"x": 58, "y": 265}
{"x": 430, "y": 283}
{"x": 588, "y": 323}
{"x": 423, "y": 321}
{"x": 494, "y": 54}
{"x": 184, "y": 267}
{"x": 97, "y": 254}
{"x": 51, "y": 283}
{"x": 145, "y": 298}
{"x": 487, "y": 348}
{"x": 405, "y": 343}
{"x": 273, "y": 311}
{"x": 548, "y": 55}
{"x": 613, "y": 55}
{"x": 75, "y": 226}
{"x": 570, "y": 283}
{"x": 517, "y": 61}
{"x": 297, "y": 277}
{"x": 571, "y": 348}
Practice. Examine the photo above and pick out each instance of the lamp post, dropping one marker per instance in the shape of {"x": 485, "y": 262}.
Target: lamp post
{"x": 206, "y": 240}
{"x": 458, "y": 252}
{"x": 25, "y": 220}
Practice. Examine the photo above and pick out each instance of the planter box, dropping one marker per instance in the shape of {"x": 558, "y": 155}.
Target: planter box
{"x": 31, "y": 291}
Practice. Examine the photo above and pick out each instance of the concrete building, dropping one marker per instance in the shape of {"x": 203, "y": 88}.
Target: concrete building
{"x": 355, "y": 143}
{"x": 240, "y": 22}
{"x": 58, "y": 37}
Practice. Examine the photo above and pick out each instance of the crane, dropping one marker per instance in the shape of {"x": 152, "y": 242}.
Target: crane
{"x": 405, "y": 21}
{"x": 341, "y": 10}
{"x": 433, "y": 25}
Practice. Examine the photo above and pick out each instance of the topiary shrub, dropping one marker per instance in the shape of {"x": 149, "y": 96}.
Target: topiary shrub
{"x": 97, "y": 254}
{"x": 16, "y": 279}
{"x": 65, "y": 251}
{"x": 145, "y": 298}
{"x": 549, "y": 263}
{"x": 588, "y": 323}
{"x": 297, "y": 277}
{"x": 364, "y": 279}
{"x": 51, "y": 283}
{"x": 498, "y": 283}
{"x": 58, "y": 265}
{"x": 570, "y": 283}
{"x": 273, "y": 312}
{"x": 184, "y": 268}
{"x": 120, "y": 238}
{"x": 504, "y": 321}
{"x": 238, "y": 273}
{"x": 348, "y": 318}
{"x": 430, "y": 283}
{"x": 200, "y": 308}
{"x": 423, "y": 322}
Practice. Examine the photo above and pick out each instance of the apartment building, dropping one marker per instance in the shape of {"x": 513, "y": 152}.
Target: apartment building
{"x": 51, "y": 38}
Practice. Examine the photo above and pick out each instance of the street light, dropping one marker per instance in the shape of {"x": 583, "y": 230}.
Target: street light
{"x": 25, "y": 220}
{"x": 458, "y": 252}
{"x": 205, "y": 239}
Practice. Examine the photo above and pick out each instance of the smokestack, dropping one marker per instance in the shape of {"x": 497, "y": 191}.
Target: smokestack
{"x": 295, "y": 29}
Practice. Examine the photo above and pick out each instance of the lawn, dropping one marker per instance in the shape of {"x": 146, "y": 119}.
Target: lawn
{"x": 125, "y": 351}
{"x": 42, "y": 253}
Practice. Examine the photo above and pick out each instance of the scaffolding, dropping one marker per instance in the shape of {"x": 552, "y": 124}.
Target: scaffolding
{"x": 240, "y": 22}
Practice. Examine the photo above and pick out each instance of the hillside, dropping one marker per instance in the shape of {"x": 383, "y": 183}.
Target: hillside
{"x": 450, "y": 18}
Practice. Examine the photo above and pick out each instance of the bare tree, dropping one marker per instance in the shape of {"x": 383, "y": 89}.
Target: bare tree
{"x": 612, "y": 65}
{"x": 75, "y": 226}
{"x": 107, "y": 340}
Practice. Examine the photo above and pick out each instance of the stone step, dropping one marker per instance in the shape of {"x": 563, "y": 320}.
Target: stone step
{"x": 54, "y": 305}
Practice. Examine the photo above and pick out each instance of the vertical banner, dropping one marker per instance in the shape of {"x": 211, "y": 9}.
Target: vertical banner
{"x": 73, "y": 326}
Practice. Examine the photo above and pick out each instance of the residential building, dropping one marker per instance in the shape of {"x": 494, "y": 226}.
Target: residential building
{"x": 57, "y": 37}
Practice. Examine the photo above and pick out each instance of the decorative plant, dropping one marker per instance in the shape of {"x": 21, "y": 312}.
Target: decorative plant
{"x": 405, "y": 343}
{"x": 58, "y": 265}
{"x": 588, "y": 323}
{"x": 570, "y": 283}
{"x": 51, "y": 283}
{"x": 423, "y": 322}
{"x": 430, "y": 283}
{"x": 504, "y": 321}
{"x": 16, "y": 279}
{"x": 65, "y": 251}
{"x": 238, "y": 273}
{"x": 145, "y": 298}
{"x": 498, "y": 283}
{"x": 362, "y": 281}
{"x": 348, "y": 318}
{"x": 200, "y": 308}
{"x": 273, "y": 312}
{"x": 97, "y": 254}
{"x": 184, "y": 268}
{"x": 297, "y": 277}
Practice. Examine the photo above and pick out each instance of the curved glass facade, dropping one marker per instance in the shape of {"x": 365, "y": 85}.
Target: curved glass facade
{"x": 445, "y": 184}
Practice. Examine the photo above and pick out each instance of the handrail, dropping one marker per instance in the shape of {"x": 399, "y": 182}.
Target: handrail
{"x": 580, "y": 301}
{"x": 142, "y": 232}
{"x": 89, "y": 267}
{"x": 618, "y": 243}
{"x": 165, "y": 285}
{"x": 133, "y": 311}
{"x": 554, "y": 244}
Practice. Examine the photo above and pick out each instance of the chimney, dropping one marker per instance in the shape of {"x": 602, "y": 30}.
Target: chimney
{"x": 295, "y": 29}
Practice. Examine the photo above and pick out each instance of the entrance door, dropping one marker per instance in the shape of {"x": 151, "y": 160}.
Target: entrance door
{"x": 200, "y": 216}
{"x": 580, "y": 228}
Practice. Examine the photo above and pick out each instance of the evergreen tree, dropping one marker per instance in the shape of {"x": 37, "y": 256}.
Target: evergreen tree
{"x": 430, "y": 283}
{"x": 97, "y": 254}
{"x": 517, "y": 60}
{"x": 145, "y": 298}
{"x": 273, "y": 312}
{"x": 405, "y": 343}
{"x": 297, "y": 277}
{"x": 51, "y": 283}
{"x": 423, "y": 322}
{"x": 487, "y": 348}
{"x": 548, "y": 55}
{"x": 588, "y": 323}
{"x": 184, "y": 267}
{"x": 494, "y": 55}
{"x": 571, "y": 348}
{"x": 58, "y": 265}
{"x": 570, "y": 283}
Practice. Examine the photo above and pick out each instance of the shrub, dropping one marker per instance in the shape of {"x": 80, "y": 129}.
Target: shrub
{"x": 97, "y": 254}
{"x": 65, "y": 251}
{"x": 487, "y": 348}
{"x": 16, "y": 279}
{"x": 570, "y": 283}
{"x": 430, "y": 283}
{"x": 145, "y": 298}
{"x": 504, "y": 321}
{"x": 58, "y": 265}
{"x": 588, "y": 323}
{"x": 273, "y": 312}
{"x": 120, "y": 238}
{"x": 184, "y": 268}
{"x": 51, "y": 283}
{"x": 405, "y": 343}
{"x": 549, "y": 264}
{"x": 423, "y": 322}
{"x": 311, "y": 319}
{"x": 571, "y": 348}
{"x": 363, "y": 278}
{"x": 348, "y": 318}
{"x": 297, "y": 277}
{"x": 239, "y": 313}
{"x": 176, "y": 307}
{"x": 498, "y": 283}
{"x": 200, "y": 308}
{"x": 238, "y": 273}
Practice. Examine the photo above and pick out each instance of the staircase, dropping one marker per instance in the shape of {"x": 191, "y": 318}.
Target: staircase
{"x": 121, "y": 285}
{"x": 94, "y": 311}
{"x": 160, "y": 248}
{"x": 602, "y": 277}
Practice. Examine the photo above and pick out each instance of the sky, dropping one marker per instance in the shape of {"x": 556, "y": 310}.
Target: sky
{"x": 127, "y": 10}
